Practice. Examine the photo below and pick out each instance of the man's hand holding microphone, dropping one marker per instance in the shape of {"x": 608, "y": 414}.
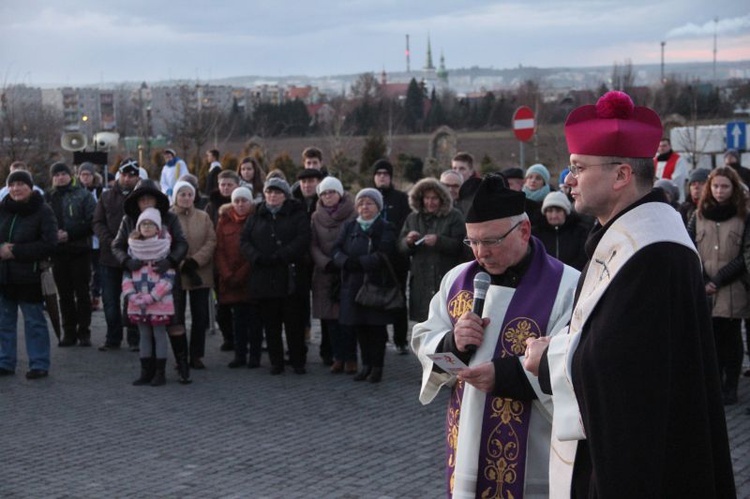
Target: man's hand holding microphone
{"x": 468, "y": 335}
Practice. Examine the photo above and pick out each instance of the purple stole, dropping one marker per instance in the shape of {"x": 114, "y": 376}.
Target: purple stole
{"x": 505, "y": 425}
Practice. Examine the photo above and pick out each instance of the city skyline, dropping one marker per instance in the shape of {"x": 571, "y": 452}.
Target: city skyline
{"x": 83, "y": 42}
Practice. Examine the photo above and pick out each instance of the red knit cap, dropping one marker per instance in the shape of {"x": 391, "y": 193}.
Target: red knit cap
{"x": 613, "y": 127}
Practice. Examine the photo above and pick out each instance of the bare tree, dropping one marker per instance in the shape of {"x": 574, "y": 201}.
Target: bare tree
{"x": 623, "y": 78}
{"x": 366, "y": 87}
{"x": 27, "y": 127}
{"x": 193, "y": 121}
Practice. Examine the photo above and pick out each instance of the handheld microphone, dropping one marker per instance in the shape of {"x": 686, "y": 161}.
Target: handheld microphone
{"x": 481, "y": 284}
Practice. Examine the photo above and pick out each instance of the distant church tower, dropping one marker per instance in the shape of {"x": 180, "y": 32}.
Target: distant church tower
{"x": 442, "y": 73}
{"x": 429, "y": 75}
{"x": 429, "y": 66}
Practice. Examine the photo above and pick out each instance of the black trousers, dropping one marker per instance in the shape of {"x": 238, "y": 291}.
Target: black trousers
{"x": 72, "y": 276}
{"x": 728, "y": 340}
{"x": 198, "y": 299}
{"x": 372, "y": 340}
{"x": 225, "y": 321}
{"x": 401, "y": 316}
{"x": 276, "y": 313}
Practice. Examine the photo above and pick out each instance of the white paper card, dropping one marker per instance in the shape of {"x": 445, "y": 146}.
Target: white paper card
{"x": 448, "y": 362}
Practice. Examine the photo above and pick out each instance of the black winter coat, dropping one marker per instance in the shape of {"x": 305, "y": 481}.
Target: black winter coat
{"x": 73, "y": 207}
{"x": 275, "y": 244}
{"x": 32, "y": 229}
{"x": 365, "y": 247}
{"x": 107, "y": 218}
{"x": 395, "y": 210}
{"x": 179, "y": 246}
{"x": 565, "y": 242}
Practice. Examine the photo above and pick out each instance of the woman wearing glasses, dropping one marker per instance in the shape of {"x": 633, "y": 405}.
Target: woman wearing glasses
{"x": 432, "y": 237}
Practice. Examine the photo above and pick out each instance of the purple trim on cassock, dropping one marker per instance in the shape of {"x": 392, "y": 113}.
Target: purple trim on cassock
{"x": 505, "y": 425}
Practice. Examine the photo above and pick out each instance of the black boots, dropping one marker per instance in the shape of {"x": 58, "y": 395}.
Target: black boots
{"x": 68, "y": 340}
{"x": 159, "y": 378}
{"x": 147, "y": 371}
{"x": 375, "y": 375}
{"x": 371, "y": 374}
{"x": 180, "y": 350}
{"x": 363, "y": 373}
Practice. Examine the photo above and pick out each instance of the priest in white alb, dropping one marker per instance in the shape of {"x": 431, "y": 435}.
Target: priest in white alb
{"x": 498, "y": 423}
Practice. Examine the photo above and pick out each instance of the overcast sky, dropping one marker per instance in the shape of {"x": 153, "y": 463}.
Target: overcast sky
{"x": 76, "y": 42}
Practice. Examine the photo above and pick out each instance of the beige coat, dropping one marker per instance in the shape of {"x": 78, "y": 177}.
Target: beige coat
{"x": 201, "y": 238}
{"x": 719, "y": 243}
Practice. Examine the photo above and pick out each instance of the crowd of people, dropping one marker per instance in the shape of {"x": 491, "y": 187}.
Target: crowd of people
{"x": 254, "y": 249}
{"x": 266, "y": 256}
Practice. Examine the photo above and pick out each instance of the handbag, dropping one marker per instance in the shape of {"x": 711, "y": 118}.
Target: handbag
{"x": 382, "y": 296}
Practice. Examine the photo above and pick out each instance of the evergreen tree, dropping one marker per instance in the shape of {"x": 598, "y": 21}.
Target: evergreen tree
{"x": 414, "y": 107}
{"x": 412, "y": 166}
{"x": 373, "y": 149}
{"x": 285, "y": 163}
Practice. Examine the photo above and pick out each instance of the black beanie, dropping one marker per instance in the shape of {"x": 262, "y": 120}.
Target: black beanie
{"x": 382, "y": 164}
{"x": 494, "y": 200}
{"x": 20, "y": 176}
{"x": 59, "y": 168}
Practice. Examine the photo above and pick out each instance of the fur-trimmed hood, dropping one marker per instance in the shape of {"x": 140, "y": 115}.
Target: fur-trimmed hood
{"x": 430, "y": 184}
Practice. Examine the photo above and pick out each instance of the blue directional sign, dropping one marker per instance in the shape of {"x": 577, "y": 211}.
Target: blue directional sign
{"x": 737, "y": 135}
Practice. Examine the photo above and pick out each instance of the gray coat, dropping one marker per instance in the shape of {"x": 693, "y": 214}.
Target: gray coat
{"x": 325, "y": 230}
{"x": 429, "y": 264}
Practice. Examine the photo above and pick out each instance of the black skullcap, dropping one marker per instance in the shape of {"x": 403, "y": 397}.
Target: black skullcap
{"x": 310, "y": 173}
{"x": 59, "y": 168}
{"x": 494, "y": 200}
{"x": 513, "y": 172}
{"x": 382, "y": 164}
{"x": 20, "y": 176}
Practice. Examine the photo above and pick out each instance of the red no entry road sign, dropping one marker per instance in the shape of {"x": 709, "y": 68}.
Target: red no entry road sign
{"x": 524, "y": 124}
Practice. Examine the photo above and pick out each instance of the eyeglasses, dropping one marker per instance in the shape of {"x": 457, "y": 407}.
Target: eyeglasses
{"x": 575, "y": 170}
{"x": 489, "y": 243}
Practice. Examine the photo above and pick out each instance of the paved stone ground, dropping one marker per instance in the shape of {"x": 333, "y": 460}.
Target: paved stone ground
{"x": 86, "y": 432}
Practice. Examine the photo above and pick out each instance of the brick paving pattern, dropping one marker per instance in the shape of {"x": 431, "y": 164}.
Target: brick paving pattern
{"x": 86, "y": 432}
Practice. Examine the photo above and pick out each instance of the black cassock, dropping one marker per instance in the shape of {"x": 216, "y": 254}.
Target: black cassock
{"x": 647, "y": 383}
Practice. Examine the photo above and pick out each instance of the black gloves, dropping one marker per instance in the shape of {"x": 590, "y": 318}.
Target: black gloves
{"x": 352, "y": 265}
{"x": 163, "y": 265}
{"x": 331, "y": 268}
{"x": 268, "y": 260}
{"x": 190, "y": 269}
{"x": 133, "y": 264}
{"x": 189, "y": 264}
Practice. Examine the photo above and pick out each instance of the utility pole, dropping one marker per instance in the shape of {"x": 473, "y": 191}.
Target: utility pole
{"x": 408, "y": 63}
{"x": 663, "y": 80}
{"x": 716, "y": 25}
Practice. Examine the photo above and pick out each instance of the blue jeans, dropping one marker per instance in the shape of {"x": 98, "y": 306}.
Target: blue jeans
{"x": 35, "y": 331}
{"x": 111, "y": 278}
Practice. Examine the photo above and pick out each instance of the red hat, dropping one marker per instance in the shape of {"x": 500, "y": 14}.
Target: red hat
{"x": 613, "y": 127}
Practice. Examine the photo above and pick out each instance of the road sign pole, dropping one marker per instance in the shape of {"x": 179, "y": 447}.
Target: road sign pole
{"x": 524, "y": 128}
